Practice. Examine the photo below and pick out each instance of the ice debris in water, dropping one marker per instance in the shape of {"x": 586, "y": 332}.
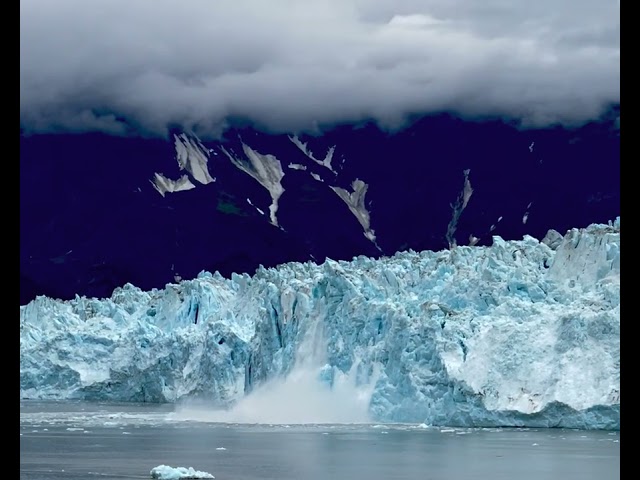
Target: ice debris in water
{"x": 164, "y": 472}
{"x": 515, "y": 334}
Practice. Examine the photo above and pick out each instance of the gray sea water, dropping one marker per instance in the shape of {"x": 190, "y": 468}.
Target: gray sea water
{"x": 72, "y": 440}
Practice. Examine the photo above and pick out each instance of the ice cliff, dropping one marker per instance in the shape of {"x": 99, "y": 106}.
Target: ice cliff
{"x": 516, "y": 334}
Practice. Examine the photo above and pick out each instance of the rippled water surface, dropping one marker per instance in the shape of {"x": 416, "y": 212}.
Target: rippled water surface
{"x": 114, "y": 441}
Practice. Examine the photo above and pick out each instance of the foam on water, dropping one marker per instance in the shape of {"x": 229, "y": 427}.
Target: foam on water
{"x": 304, "y": 396}
{"x": 300, "y": 398}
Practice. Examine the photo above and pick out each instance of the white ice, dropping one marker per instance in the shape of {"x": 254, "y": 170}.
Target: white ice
{"x": 164, "y": 472}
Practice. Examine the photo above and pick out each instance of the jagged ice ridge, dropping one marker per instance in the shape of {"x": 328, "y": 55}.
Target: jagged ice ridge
{"x": 517, "y": 334}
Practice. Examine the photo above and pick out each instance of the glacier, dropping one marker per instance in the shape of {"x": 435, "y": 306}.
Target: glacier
{"x": 520, "y": 333}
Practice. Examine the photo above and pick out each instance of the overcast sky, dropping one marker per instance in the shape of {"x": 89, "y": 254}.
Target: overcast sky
{"x": 294, "y": 65}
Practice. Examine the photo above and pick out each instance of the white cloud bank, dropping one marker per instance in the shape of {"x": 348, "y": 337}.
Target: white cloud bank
{"x": 292, "y": 65}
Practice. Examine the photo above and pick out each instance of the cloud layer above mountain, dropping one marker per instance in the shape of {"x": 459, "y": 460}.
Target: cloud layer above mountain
{"x": 290, "y": 65}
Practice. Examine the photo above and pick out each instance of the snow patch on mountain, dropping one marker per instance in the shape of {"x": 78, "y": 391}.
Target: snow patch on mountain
{"x": 457, "y": 209}
{"x": 266, "y": 170}
{"x": 355, "y": 201}
{"x": 191, "y": 156}
{"x": 165, "y": 185}
{"x": 296, "y": 166}
{"x": 261, "y": 212}
{"x": 515, "y": 334}
{"x": 325, "y": 162}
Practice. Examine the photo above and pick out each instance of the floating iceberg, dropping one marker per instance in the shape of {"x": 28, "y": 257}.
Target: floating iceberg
{"x": 515, "y": 334}
{"x": 164, "y": 472}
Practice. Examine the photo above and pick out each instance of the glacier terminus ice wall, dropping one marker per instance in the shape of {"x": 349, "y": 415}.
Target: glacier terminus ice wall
{"x": 522, "y": 333}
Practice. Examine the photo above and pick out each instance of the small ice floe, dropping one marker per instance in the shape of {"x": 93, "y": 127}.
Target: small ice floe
{"x": 534, "y": 444}
{"x": 126, "y": 433}
{"x": 447, "y": 430}
{"x": 165, "y": 472}
{"x": 220, "y": 448}
{"x": 423, "y": 425}
{"x": 72, "y": 429}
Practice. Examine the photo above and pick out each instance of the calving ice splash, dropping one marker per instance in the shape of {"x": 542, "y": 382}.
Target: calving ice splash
{"x": 313, "y": 392}
{"x": 522, "y": 333}
{"x": 302, "y": 397}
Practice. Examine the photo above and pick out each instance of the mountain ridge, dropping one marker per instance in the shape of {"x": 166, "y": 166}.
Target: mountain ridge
{"x": 92, "y": 218}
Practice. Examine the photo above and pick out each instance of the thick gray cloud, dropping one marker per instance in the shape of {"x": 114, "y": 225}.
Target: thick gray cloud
{"x": 292, "y": 65}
